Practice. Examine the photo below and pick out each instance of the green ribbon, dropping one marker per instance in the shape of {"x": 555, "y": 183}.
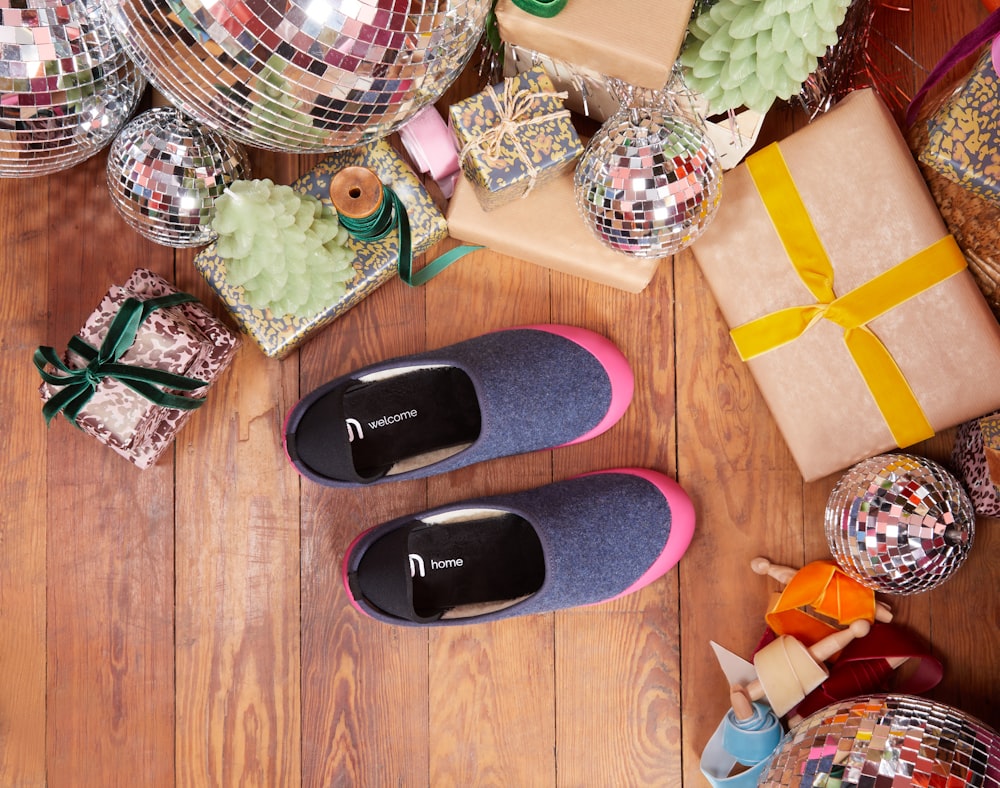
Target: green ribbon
{"x": 79, "y": 385}
{"x": 543, "y": 8}
{"x": 391, "y": 215}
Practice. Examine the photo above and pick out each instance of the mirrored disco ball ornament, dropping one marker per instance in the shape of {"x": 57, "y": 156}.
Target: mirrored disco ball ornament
{"x": 649, "y": 181}
{"x": 164, "y": 173}
{"x": 899, "y": 523}
{"x": 886, "y": 740}
{"x": 66, "y": 86}
{"x": 300, "y": 75}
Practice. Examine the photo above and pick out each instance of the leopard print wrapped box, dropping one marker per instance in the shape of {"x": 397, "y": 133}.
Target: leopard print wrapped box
{"x": 976, "y": 458}
{"x": 185, "y": 339}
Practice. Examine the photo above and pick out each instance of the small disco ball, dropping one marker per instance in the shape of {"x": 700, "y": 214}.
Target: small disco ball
{"x": 899, "y": 523}
{"x": 300, "y": 75}
{"x": 164, "y": 173}
{"x": 650, "y": 180}
{"x": 886, "y": 740}
{"x": 66, "y": 86}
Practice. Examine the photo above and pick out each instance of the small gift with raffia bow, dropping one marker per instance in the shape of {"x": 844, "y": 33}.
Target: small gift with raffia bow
{"x": 847, "y": 298}
{"x": 141, "y": 363}
{"x": 514, "y": 137}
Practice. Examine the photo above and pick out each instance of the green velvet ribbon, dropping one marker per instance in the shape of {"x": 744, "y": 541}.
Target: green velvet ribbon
{"x": 391, "y": 215}
{"x": 542, "y": 8}
{"x": 78, "y": 385}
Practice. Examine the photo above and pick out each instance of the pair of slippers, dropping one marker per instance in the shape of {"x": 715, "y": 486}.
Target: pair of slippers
{"x": 577, "y": 542}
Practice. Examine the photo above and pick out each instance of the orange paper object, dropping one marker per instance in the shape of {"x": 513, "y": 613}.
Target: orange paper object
{"x": 819, "y": 600}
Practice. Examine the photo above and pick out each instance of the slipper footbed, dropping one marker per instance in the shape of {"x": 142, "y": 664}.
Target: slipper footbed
{"x": 394, "y": 419}
{"x": 476, "y": 562}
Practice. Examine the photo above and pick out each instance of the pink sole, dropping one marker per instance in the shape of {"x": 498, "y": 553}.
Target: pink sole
{"x": 682, "y": 521}
{"x": 614, "y": 363}
{"x": 343, "y": 571}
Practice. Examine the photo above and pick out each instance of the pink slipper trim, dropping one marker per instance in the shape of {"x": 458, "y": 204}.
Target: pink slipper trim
{"x": 682, "y": 520}
{"x": 614, "y": 363}
{"x": 344, "y": 572}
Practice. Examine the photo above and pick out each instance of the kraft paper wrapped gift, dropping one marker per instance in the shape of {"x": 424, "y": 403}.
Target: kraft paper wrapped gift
{"x": 634, "y": 40}
{"x": 514, "y": 137}
{"x": 545, "y": 228}
{"x": 183, "y": 339}
{"x": 862, "y": 193}
{"x": 374, "y": 261}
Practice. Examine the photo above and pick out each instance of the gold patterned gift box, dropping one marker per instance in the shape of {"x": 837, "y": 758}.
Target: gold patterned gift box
{"x": 183, "y": 339}
{"x": 850, "y": 303}
{"x": 514, "y": 137}
{"x": 963, "y": 136}
{"x": 374, "y": 261}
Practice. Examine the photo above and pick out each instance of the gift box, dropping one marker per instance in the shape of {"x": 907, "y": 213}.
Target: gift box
{"x": 561, "y": 242}
{"x": 850, "y": 303}
{"x": 182, "y": 339}
{"x": 963, "y": 136}
{"x": 588, "y": 92}
{"x": 976, "y": 459}
{"x": 374, "y": 261}
{"x": 973, "y": 220}
{"x": 633, "y": 40}
{"x": 514, "y": 137}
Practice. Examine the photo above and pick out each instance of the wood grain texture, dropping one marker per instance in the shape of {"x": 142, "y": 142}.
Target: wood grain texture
{"x": 364, "y": 684}
{"x": 188, "y": 625}
{"x": 237, "y": 591}
{"x": 110, "y": 563}
{"x": 23, "y": 517}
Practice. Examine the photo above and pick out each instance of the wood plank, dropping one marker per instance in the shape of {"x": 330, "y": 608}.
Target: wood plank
{"x": 748, "y": 496}
{"x": 237, "y": 543}
{"x": 490, "y": 686}
{"x": 951, "y": 619}
{"x": 23, "y": 489}
{"x": 618, "y": 665}
{"x": 364, "y": 683}
{"x": 110, "y": 534}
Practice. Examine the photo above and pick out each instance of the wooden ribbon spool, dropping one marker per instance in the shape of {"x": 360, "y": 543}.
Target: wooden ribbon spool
{"x": 356, "y": 192}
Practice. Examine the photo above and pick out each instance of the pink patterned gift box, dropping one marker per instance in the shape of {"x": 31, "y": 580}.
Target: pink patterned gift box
{"x": 184, "y": 339}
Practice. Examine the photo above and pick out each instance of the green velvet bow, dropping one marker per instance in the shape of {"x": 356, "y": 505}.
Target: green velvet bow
{"x": 79, "y": 385}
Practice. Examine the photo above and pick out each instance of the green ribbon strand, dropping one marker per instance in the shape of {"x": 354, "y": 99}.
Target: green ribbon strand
{"x": 391, "y": 215}
{"x": 543, "y": 8}
{"x": 78, "y": 385}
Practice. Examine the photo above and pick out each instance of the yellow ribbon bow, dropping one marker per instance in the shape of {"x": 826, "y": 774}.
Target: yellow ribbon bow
{"x": 851, "y": 311}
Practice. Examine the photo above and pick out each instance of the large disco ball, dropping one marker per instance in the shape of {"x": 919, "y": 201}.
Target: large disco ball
{"x": 66, "y": 86}
{"x": 899, "y": 523}
{"x": 300, "y": 75}
{"x": 165, "y": 172}
{"x": 649, "y": 181}
{"x": 886, "y": 740}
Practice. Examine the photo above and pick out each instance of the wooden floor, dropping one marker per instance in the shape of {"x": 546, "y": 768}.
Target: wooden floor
{"x": 186, "y": 625}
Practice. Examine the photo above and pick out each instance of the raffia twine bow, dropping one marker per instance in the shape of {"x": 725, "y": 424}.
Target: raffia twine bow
{"x": 514, "y": 111}
{"x": 77, "y": 386}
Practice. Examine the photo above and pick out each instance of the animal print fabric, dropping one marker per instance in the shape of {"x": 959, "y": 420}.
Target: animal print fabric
{"x": 976, "y": 459}
{"x": 185, "y": 339}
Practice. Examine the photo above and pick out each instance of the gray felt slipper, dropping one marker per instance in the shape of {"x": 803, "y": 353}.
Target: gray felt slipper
{"x": 581, "y": 541}
{"x": 502, "y": 393}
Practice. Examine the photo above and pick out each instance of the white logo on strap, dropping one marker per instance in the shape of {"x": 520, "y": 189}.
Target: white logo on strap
{"x": 416, "y": 562}
{"x": 352, "y": 425}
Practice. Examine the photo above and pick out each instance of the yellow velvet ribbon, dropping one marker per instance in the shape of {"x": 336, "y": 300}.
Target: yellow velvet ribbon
{"x": 853, "y": 310}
